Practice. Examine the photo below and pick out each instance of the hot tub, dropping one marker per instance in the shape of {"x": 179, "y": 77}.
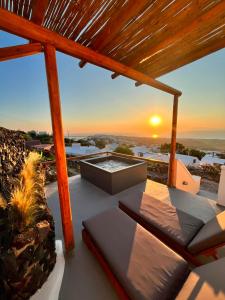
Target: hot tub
{"x": 113, "y": 173}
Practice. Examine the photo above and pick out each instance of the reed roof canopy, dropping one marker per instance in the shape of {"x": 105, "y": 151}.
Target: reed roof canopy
{"x": 150, "y": 36}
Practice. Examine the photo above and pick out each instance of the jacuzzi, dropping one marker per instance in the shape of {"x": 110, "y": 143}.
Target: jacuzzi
{"x": 113, "y": 173}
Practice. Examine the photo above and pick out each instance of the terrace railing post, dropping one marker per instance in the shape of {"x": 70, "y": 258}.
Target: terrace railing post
{"x": 61, "y": 166}
{"x": 172, "y": 163}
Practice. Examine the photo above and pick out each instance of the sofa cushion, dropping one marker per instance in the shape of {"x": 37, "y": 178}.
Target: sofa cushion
{"x": 205, "y": 282}
{"x": 144, "y": 266}
{"x": 210, "y": 235}
{"x": 163, "y": 219}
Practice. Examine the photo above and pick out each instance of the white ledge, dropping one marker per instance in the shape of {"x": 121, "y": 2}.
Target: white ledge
{"x": 50, "y": 289}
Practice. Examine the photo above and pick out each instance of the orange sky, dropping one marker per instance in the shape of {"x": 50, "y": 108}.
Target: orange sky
{"x": 93, "y": 103}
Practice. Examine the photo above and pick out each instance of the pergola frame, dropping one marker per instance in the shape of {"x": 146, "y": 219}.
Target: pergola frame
{"x": 49, "y": 42}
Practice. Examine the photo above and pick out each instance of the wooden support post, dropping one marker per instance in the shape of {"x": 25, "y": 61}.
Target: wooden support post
{"x": 61, "y": 166}
{"x": 172, "y": 163}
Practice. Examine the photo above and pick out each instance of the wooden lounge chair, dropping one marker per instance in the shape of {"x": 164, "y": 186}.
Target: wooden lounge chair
{"x": 182, "y": 232}
{"x": 141, "y": 267}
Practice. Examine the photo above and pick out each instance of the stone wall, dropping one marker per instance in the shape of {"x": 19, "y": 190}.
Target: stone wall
{"x": 12, "y": 155}
{"x": 27, "y": 253}
{"x": 158, "y": 171}
{"x": 209, "y": 172}
{"x": 51, "y": 174}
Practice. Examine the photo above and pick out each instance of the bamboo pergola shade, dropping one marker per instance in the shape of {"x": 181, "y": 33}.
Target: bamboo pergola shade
{"x": 21, "y": 27}
{"x": 140, "y": 34}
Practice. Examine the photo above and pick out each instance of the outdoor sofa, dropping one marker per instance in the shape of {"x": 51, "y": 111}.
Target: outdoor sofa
{"x": 185, "y": 234}
{"x": 141, "y": 267}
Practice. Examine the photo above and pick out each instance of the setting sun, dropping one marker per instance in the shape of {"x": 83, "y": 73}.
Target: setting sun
{"x": 155, "y": 120}
{"x": 155, "y": 136}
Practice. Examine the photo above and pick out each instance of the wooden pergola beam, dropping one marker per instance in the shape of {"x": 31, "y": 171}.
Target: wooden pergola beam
{"x": 172, "y": 163}
{"x": 26, "y": 29}
{"x": 137, "y": 83}
{"x": 59, "y": 147}
{"x": 114, "y": 75}
{"x": 148, "y": 49}
{"x": 38, "y": 11}
{"x": 19, "y": 51}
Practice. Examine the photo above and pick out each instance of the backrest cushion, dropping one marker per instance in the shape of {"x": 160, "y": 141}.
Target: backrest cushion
{"x": 210, "y": 235}
{"x": 205, "y": 282}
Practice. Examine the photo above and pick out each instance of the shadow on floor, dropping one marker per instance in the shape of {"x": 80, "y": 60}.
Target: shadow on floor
{"x": 83, "y": 278}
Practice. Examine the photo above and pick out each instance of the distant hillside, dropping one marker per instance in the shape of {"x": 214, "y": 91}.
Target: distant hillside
{"x": 204, "y": 144}
{"x": 200, "y": 144}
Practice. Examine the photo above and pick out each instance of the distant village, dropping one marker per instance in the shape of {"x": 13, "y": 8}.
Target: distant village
{"x": 75, "y": 146}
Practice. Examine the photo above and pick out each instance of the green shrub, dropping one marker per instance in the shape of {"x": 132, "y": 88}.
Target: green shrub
{"x": 124, "y": 150}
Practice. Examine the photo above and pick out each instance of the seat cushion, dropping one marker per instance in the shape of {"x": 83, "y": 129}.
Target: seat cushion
{"x": 210, "y": 235}
{"x": 205, "y": 282}
{"x": 144, "y": 266}
{"x": 163, "y": 219}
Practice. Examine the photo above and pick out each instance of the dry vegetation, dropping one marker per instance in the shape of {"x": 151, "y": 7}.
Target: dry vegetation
{"x": 24, "y": 197}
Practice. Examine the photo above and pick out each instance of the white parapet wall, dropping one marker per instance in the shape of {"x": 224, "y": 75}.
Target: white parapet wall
{"x": 185, "y": 181}
{"x": 50, "y": 289}
{"x": 221, "y": 190}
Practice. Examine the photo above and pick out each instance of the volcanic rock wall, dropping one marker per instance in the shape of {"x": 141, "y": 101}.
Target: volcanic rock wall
{"x": 12, "y": 155}
{"x": 27, "y": 255}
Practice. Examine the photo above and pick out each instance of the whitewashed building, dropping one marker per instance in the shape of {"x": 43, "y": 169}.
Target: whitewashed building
{"x": 187, "y": 160}
{"x": 141, "y": 151}
{"x": 77, "y": 149}
{"x": 211, "y": 159}
{"x": 110, "y": 147}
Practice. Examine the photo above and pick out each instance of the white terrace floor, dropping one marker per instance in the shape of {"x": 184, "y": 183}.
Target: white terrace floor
{"x": 83, "y": 278}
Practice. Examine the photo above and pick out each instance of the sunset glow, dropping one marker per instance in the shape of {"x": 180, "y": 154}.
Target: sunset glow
{"x": 155, "y": 120}
{"x": 155, "y": 136}
{"x": 114, "y": 109}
